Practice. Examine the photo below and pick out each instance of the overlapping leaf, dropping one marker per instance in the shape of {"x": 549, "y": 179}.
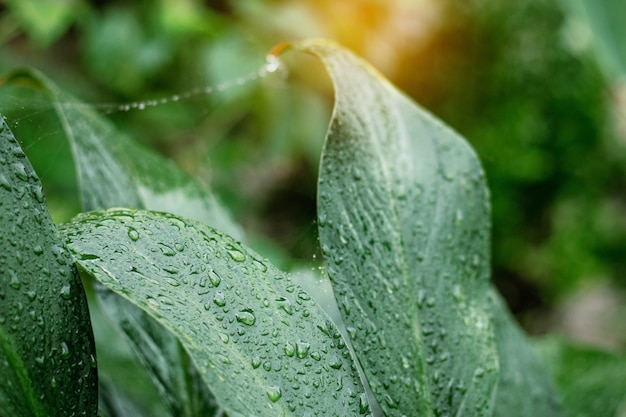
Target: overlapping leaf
{"x": 404, "y": 226}
{"x": 259, "y": 341}
{"x": 112, "y": 170}
{"x": 47, "y": 353}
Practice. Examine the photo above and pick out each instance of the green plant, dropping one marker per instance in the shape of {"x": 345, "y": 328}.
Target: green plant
{"x": 404, "y": 227}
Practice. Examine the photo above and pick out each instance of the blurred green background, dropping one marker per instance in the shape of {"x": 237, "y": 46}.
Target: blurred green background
{"x": 527, "y": 83}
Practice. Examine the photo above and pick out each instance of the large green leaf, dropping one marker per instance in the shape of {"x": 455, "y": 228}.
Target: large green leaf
{"x": 113, "y": 170}
{"x": 403, "y": 214}
{"x": 525, "y": 387}
{"x": 47, "y": 353}
{"x": 261, "y": 344}
{"x": 592, "y": 382}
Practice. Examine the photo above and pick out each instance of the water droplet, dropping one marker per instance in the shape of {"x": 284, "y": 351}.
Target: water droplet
{"x": 53, "y": 382}
{"x": 285, "y": 305}
{"x": 40, "y": 361}
{"x": 274, "y": 393}
{"x": 172, "y": 282}
{"x": 246, "y": 317}
{"x": 256, "y": 362}
{"x": 316, "y": 356}
{"x": 20, "y": 171}
{"x": 4, "y": 183}
{"x": 15, "y": 281}
{"x": 302, "y": 349}
{"x": 214, "y": 278}
{"x": 390, "y": 402}
{"x": 236, "y": 255}
{"x": 133, "y": 234}
{"x": 290, "y": 350}
{"x": 304, "y": 296}
{"x": 65, "y": 351}
{"x": 219, "y": 299}
{"x": 66, "y": 292}
{"x": 364, "y": 404}
{"x": 38, "y": 249}
{"x": 225, "y": 338}
{"x": 335, "y": 363}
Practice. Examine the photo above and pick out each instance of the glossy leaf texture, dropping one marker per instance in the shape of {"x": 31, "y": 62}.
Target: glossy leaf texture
{"x": 403, "y": 215}
{"x": 525, "y": 386}
{"x": 113, "y": 170}
{"x": 47, "y": 352}
{"x": 261, "y": 344}
{"x": 592, "y": 382}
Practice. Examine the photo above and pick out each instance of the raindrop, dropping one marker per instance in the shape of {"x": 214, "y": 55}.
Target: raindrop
{"x": 246, "y": 317}
{"x": 256, "y": 362}
{"x": 38, "y": 249}
{"x": 4, "y": 183}
{"x": 225, "y": 338}
{"x": 15, "y": 281}
{"x": 364, "y": 404}
{"x": 20, "y": 171}
{"x": 335, "y": 363}
{"x": 66, "y": 292}
{"x": 38, "y": 193}
{"x": 219, "y": 299}
{"x": 285, "y": 305}
{"x": 40, "y": 361}
{"x": 274, "y": 393}
{"x": 290, "y": 350}
{"x": 236, "y": 255}
{"x": 65, "y": 351}
{"x": 133, "y": 234}
{"x": 302, "y": 349}
{"x": 214, "y": 278}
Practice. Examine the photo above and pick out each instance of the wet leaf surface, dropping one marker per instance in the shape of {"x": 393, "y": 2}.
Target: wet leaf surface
{"x": 261, "y": 344}
{"x": 403, "y": 215}
{"x": 47, "y": 353}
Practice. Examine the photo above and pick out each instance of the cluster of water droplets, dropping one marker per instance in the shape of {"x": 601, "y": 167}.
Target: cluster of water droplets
{"x": 272, "y": 65}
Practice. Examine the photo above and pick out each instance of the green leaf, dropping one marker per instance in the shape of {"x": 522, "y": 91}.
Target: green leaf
{"x": 47, "y": 353}
{"x": 115, "y": 171}
{"x": 592, "y": 382}
{"x": 112, "y": 170}
{"x": 525, "y": 387}
{"x": 261, "y": 344}
{"x": 174, "y": 376}
{"x": 44, "y": 20}
{"x": 403, "y": 215}
{"x": 605, "y": 20}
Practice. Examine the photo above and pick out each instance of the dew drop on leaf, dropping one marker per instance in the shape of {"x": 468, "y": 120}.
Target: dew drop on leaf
{"x": 66, "y": 292}
{"x": 274, "y": 393}
{"x": 246, "y": 317}
{"x": 219, "y": 299}
{"x": 236, "y": 255}
{"x": 290, "y": 350}
{"x": 302, "y": 349}
{"x": 133, "y": 234}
